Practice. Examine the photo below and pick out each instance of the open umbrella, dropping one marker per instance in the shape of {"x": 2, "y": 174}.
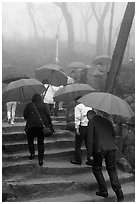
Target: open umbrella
{"x": 22, "y": 90}
{"x": 69, "y": 92}
{"x": 16, "y": 75}
{"x": 108, "y": 103}
{"x": 77, "y": 65}
{"x": 102, "y": 60}
{"x": 52, "y": 74}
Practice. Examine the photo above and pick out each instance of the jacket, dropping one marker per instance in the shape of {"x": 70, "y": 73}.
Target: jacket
{"x": 32, "y": 118}
{"x": 100, "y": 135}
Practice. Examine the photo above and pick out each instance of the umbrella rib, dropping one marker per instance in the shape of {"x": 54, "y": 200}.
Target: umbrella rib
{"x": 23, "y": 92}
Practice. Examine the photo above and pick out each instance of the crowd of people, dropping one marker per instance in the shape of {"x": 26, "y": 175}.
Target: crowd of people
{"x": 93, "y": 127}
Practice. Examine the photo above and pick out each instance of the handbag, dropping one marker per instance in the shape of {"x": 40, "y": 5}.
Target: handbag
{"x": 47, "y": 131}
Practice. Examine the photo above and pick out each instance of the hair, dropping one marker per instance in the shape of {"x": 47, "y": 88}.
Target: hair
{"x": 77, "y": 98}
{"x": 36, "y": 97}
{"x": 91, "y": 114}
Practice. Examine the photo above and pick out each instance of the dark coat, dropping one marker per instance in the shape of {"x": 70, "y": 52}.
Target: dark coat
{"x": 100, "y": 135}
{"x": 32, "y": 118}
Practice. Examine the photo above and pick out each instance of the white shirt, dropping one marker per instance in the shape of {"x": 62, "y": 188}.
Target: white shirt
{"x": 50, "y": 94}
{"x": 81, "y": 115}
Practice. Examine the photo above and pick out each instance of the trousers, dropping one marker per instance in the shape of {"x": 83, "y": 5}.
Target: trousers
{"x": 31, "y": 134}
{"x": 11, "y": 108}
{"x": 78, "y": 142}
{"x": 110, "y": 161}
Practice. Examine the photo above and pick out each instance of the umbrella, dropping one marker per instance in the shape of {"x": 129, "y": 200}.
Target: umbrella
{"x": 52, "y": 74}
{"x": 71, "y": 91}
{"x": 22, "y": 90}
{"x": 108, "y": 103}
{"x": 14, "y": 76}
{"x": 77, "y": 65}
{"x": 102, "y": 60}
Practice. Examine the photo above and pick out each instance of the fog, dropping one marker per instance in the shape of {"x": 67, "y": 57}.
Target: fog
{"x": 61, "y": 32}
{"x": 16, "y": 22}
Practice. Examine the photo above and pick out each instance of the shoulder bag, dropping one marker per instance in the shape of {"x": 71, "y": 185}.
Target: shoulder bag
{"x": 47, "y": 131}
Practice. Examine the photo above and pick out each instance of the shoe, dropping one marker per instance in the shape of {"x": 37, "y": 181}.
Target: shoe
{"x": 120, "y": 195}
{"x": 31, "y": 157}
{"x": 12, "y": 123}
{"x": 40, "y": 162}
{"x": 101, "y": 193}
{"x": 89, "y": 162}
{"x": 75, "y": 162}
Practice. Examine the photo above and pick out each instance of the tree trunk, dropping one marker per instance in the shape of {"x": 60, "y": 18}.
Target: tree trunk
{"x": 69, "y": 23}
{"x": 110, "y": 29}
{"x": 100, "y": 30}
{"x": 120, "y": 47}
{"x": 29, "y": 7}
{"x": 86, "y": 32}
{"x": 99, "y": 41}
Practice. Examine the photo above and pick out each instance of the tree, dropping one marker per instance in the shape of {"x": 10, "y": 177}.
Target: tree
{"x": 110, "y": 28}
{"x": 69, "y": 23}
{"x": 100, "y": 31}
{"x": 120, "y": 47}
{"x": 86, "y": 16}
{"x": 30, "y": 12}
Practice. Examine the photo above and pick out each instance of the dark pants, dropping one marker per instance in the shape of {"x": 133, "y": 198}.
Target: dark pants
{"x": 110, "y": 161}
{"x": 31, "y": 134}
{"x": 79, "y": 140}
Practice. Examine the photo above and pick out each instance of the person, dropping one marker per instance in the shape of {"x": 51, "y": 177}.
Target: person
{"x": 48, "y": 99}
{"x": 11, "y": 109}
{"x": 81, "y": 125}
{"x": 100, "y": 139}
{"x": 34, "y": 126}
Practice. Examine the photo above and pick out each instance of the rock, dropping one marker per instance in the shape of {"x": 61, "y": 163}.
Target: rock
{"x": 129, "y": 99}
{"x": 124, "y": 165}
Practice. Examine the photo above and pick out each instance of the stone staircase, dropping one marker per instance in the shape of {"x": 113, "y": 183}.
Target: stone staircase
{"x": 57, "y": 180}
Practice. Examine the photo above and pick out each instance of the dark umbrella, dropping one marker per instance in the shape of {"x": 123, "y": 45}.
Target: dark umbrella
{"x": 102, "y": 60}
{"x": 51, "y": 74}
{"x": 22, "y": 90}
{"x": 70, "y": 92}
{"x": 14, "y": 76}
{"x": 77, "y": 65}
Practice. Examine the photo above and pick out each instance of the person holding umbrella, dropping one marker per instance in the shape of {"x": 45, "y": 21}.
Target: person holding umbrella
{"x": 34, "y": 126}
{"x": 100, "y": 140}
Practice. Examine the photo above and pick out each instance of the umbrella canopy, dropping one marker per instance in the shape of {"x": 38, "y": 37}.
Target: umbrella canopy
{"x": 71, "y": 91}
{"x": 108, "y": 103}
{"x": 102, "y": 60}
{"x": 77, "y": 65}
{"x": 52, "y": 74}
{"x": 14, "y": 76}
{"x": 22, "y": 90}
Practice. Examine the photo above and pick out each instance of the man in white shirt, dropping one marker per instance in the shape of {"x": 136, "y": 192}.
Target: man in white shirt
{"x": 81, "y": 126}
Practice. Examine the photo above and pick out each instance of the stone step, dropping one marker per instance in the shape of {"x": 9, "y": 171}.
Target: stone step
{"x": 54, "y": 168}
{"x": 49, "y": 154}
{"x": 47, "y": 186}
{"x": 60, "y": 117}
{"x": 21, "y": 136}
{"x": 20, "y": 126}
{"x": 129, "y": 196}
{"x": 12, "y": 147}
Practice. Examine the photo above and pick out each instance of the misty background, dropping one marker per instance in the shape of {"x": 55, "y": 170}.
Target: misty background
{"x": 84, "y": 30}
